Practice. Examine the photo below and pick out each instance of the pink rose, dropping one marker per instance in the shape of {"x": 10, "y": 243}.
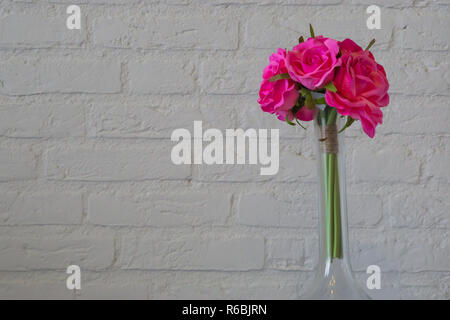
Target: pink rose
{"x": 361, "y": 85}
{"x": 303, "y": 114}
{"x": 312, "y": 62}
{"x": 279, "y": 96}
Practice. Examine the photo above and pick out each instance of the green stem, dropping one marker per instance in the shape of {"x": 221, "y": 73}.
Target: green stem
{"x": 333, "y": 208}
{"x": 332, "y": 116}
{"x": 328, "y": 223}
{"x": 330, "y": 206}
{"x": 337, "y": 243}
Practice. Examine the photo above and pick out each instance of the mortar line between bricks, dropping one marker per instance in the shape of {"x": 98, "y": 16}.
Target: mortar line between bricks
{"x": 135, "y": 269}
{"x": 167, "y": 139}
{"x": 196, "y": 4}
{"x": 143, "y": 97}
{"x": 162, "y": 51}
{"x": 259, "y": 271}
{"x": 221, "y": 228}
{"x": 264, "y": 270}
{"x": 208, "y": 182}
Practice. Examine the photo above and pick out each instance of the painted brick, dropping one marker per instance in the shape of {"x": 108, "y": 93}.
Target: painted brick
{"x": 39, "y": 28}
{"x": 140, "y": 121}
{"x": 149, "y": 76}
{"x": 21, "y": 291}
{"x": 159, "y": 209}
{"x": 280, "y": 28}
{"x": 21, "y": 76}
{"x": 285, "y": 253}
{"x": 424, "y": 29}
{"x": 175, "y": 31}
{"x": 40, "y": 208}
{"x": 417, "y": 209}
{"x": 107, "y": 291}
{"x": 397, "y": 164}
{"x": 438, "y": 166}
{"x": 230, "y": 75}
{"x": 193, "y": 253}
{"x": 364, "y": 210}
{"x": 407, "y": 251}
{"x": 264, "y": 210}
{"x": 114, "y": 164}
{"x": 406, "y": 115}
{"x": 17, "y": 164}
{"x": 55, "y": 252}
{"x": 402, "y": 68}
{"x": 41, "y": 121}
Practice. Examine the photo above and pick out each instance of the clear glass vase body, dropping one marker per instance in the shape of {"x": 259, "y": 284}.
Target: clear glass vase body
{"x": 334, "y": 278}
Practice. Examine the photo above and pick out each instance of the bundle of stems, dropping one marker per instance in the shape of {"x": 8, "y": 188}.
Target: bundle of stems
{"x": 329, "y": 144}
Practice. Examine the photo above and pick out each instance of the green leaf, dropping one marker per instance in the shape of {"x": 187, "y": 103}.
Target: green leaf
{"x": 309, "y": 101}
{"x": 296, "y": 120}
{"x": 348, "y": 123}
{"x": 304, "y": 92}
{"x": 372, "y": 42}
{"x": 289, "y": 121}
{"x": 279, "y": 77}
{"x": 330, "y": 87}
{"x": 320, "y": 101}
{"x": 301, "y": 39}
{"x": 311, "y": 31}
{"x": 294, "y": 112}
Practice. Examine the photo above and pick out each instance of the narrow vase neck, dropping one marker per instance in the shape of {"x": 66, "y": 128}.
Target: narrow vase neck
{"x": 330, "y": 151}
{"x": 334, "y": 278}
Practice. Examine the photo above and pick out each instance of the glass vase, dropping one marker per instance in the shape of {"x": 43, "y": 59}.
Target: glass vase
{"x": 334, "y": 278}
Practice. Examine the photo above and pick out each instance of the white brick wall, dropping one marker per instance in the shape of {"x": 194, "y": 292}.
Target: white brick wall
{"x": 30, "y": 75}
{"x": 85, "y": 171}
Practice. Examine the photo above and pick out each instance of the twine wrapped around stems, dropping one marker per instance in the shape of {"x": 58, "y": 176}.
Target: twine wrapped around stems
{"x": 329, "y": 139}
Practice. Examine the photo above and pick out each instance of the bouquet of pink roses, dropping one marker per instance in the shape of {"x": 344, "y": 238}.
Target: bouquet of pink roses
{"x": 326, "y": 80}
{"x": 355, "y": 85}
